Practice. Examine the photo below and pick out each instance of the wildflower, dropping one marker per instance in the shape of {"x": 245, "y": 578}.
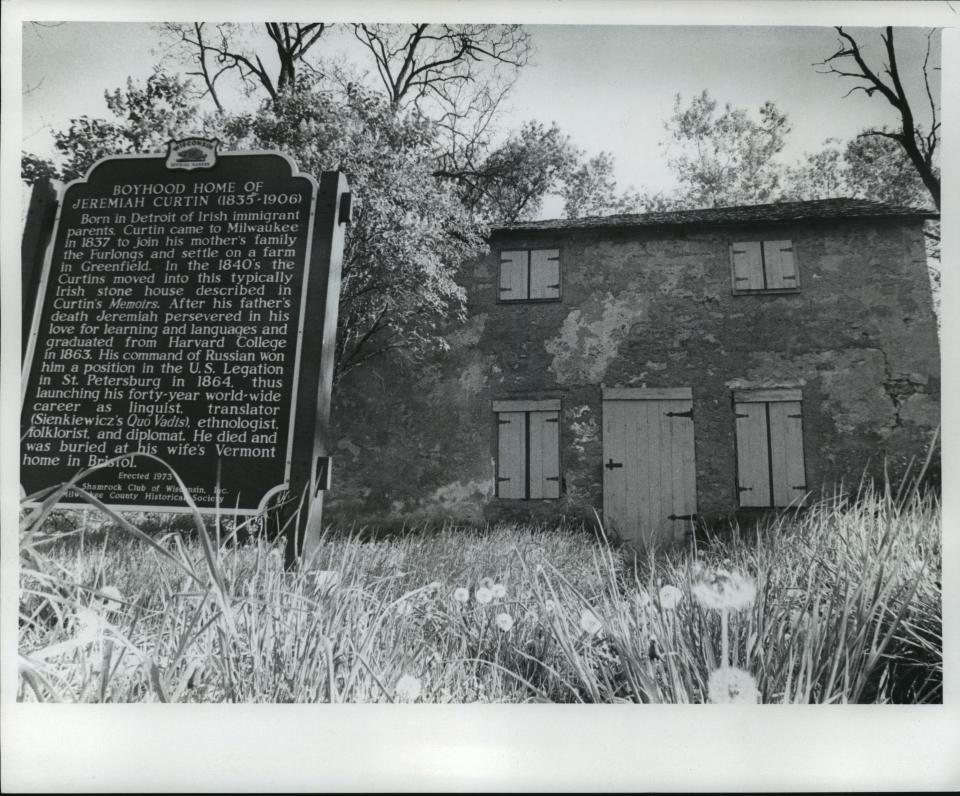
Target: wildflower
{"x": 433, "y": 587}
{"x": 407, "y": 688}
{"x": 642, "y": 599}
{"x": 484, "y": 595}
{"x": 730, "y": 686}
{"x": 461, "y": 595}
{"x": 90, "y": 624}
{"x": 550, "y": 605}
{"x": 670, "y": 597}
{"x": 111, "y": 598}
{"x": 486, "y": 583}
{"x": 531, "y": 617}
{"x": 499, "y": 591}
{"x": 589, "y": 623}
{"x": 504, "y": 622}
{"x": 723, "y": 590}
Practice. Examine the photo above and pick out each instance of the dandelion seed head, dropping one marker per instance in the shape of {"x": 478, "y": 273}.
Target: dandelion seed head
{"x": 589, "y": 623}
{"x": 722, "y": 590}
{"x": 484, "y": 595}
{"x": 550, "y": 605}
{"x": 670, "y": 597}
{"x": 486, "y": 583}
{"x": 499, "y": 591}
{"x": 111, "y": 598}
{"x": 504, "y": 622}
{"x": 408, "y": 688}
{"x": 461, "y": 594}
{"x": 730, "y": 686}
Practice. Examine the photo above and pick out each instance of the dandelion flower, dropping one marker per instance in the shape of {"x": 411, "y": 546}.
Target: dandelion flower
{"x": 484, "y": 595}
{"x": 670, "y": 597}
{"x": 499, "y": 591}
{"x": 722, "y": 590}
{"x": 504, "y": 622}
{"x": 461, "y": 595}
{"x": 407, "y": 688}
{"x": 730, "y": 686}
{"x": 589, "y": 623}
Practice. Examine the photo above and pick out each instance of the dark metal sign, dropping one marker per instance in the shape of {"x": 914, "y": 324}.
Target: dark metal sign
{"x": 170, "y": 320}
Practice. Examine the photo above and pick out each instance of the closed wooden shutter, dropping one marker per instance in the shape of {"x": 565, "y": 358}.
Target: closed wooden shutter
{"x": 747, "y": 266}
{"x": 780, "y": 264}
{"x": 786, "y": 448}
{"x": 545, "y": 274}
{"x": 511, "y": 455}
{"x": 514, "y": 273}
{"x": 753, "y": 460}
{"x": 544, "y": 455}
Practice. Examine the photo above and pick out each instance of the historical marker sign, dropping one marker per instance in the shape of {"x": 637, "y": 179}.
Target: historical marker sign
{"x": 170, "y": 320}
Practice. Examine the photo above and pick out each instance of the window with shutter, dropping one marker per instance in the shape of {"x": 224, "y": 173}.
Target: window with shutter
{"x": 530, "y": 275}
{"x": 767, "y": 266}
{"x": 770, "y": 463}
{"x": 528, "y": 449}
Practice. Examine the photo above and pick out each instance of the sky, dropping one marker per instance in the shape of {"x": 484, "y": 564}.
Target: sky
{"x": 609, "y": 87}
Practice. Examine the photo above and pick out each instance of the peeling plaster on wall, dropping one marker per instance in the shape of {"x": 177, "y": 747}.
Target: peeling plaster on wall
{"x": 589, "y": 339}
{"x": 464, "y": 500}
{"x": 473, "y": 378}
{"x": 469, "y": 334}
{"x": 851, "y": 379}
{"x": 584, "y": 428}
{"x": 347, "y": 445}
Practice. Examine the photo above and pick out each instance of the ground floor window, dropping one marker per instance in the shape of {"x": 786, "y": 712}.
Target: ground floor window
{"x": 528, "y": 449}
{"x": 770, "y": 463}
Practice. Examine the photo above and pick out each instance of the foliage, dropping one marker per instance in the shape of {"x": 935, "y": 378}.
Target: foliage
{"x": 839, "y": 604}
{"x": 410, "y": 232}
{"x": 725, "y": 158}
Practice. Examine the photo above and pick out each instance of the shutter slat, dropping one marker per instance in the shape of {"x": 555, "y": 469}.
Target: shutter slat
{"x": 545, "y": 274}
{"x": 513, "y": 275}
{"x": 747, "y": 266}
{"x": 511, "y": 472}
{"x": 781, "y": 267}
{"x": 753, "y": 477}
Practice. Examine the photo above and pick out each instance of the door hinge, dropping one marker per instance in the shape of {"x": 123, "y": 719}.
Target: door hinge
{"x": 682, "y": 517}
{"x": 802, "y": 486}
{"x": 745, "y": 489}
{"x": 799, "y": 417}
{"x": 504, "y": 422}
{"x": 553, "y": 287}
{"x": 688, "y": 413}
{"x": 503, "y": 479}
{"x": 552, "y": 478}
{"x": 739, "y": 415}
{"x": 552, "y": 420}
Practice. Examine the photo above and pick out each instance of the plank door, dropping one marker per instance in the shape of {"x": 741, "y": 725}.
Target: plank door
{"x": 649, "y": 473}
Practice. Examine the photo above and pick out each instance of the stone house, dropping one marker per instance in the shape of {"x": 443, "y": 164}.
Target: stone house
{"x": 655, "y": 367}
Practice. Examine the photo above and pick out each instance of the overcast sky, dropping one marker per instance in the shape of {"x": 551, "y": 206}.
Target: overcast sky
{"x": 610, "y": 87}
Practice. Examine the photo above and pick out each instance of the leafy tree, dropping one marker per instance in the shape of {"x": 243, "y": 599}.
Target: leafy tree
{"x": 725, "y": 158}
{"x": 410, "y": 232}
{"x": 919, "y": 143}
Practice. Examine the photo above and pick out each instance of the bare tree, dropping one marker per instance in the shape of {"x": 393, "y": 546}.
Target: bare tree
{"x": 216, "y": 49}
{"x": 919, "y": 144}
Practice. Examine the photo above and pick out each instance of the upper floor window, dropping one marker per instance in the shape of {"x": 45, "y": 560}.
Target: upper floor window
{"x": 530, "y": 275}
{"x": 764, "y": 266}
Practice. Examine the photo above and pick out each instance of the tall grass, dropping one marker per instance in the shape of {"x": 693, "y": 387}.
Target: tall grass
{"x": 847, "y": 609}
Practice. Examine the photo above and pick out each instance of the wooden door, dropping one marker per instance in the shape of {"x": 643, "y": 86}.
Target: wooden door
{"x": 649, "y": 474}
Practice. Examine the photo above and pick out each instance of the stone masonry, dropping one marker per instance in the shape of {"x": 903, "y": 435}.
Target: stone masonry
{"x": 647, "y": 301}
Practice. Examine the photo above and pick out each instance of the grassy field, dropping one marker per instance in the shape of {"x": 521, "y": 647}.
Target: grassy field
{"x": 841, "y": 603}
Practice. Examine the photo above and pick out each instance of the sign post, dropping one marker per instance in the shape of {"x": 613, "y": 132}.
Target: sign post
{"x": 186, "y": 308}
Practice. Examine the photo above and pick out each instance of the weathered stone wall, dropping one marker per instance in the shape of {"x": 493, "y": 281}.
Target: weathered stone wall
{"x": 654, "y": 308}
